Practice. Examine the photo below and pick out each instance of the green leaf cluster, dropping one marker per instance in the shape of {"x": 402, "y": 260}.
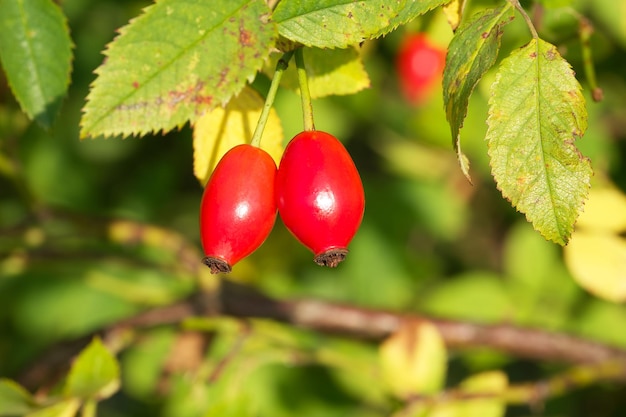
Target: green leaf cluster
{"x": 536, "y": 113}
{"x": 94, "y": 376}
{"x": 158, "y": 80}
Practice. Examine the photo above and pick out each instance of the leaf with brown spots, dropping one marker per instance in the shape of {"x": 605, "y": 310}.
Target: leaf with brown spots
{"x": 536, "y": 112}
{"x": 471, "y": 53}
{"x": 175, "y": 62}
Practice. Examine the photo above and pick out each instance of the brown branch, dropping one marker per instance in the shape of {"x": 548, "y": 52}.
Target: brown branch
{"x": 366, "y": 323}
{"x": 240, "y": 301}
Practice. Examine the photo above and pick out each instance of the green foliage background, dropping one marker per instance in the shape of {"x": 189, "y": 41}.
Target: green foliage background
{"x": 430, "y": 242}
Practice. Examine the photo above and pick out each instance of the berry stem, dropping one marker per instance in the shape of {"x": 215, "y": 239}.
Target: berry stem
{"x": 585, "y": 30}
{"x": 281, "y": 66}
{"x": 529, "y": 22}
{"x": 305, "y": 94}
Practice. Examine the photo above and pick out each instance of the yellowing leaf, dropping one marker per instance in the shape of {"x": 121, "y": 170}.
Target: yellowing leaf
{"x": 454, "y": 12}
{"x": 605, "y": 211}
{"x": 223, "y": 128}
{"x": 14, "y": 399}
{"x": 490, "y": 384}
{"x": 486, "y": 386}
{"x": 598, "y": 263}
{"x": 329, "y": 72}
{"x": 414, "y": 360}
{"x": 65, "y": 408}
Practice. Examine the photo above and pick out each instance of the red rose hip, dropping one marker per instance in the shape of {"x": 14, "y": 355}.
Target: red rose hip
{"x": 419, "y": 65}
{"x": 238, "y": 207}
{"x": 320, "y": 196}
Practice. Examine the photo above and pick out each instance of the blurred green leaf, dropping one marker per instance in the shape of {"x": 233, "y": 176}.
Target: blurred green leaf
{"x": 65, "y": 408}
{"x": 472, "y": 51}
{"x": 142, "y": 363}
{"x": 156, "y": 80}
{"x": 544, "y": 292}
{"x": 329, "y": 72}
{"x": 602, "y": 321}
{"x": 338, "y": 24}
{"x": 612, "y": 14}
{"x": 95, "y": 373}
{"x": 60, "y": 293}
{"x": 35, "y": 51}
{"x": 536, "y": 113}
{"x": 475, "y": 296}
{"x": 14, "y": 400}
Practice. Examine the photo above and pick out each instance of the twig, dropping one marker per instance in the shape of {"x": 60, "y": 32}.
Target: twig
{"x": 533, "y": 394}
{"x": 365, "y": 323}
{"x": 240, "y": 301}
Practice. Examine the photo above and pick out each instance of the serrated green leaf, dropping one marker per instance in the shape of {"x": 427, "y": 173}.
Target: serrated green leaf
{"x": 14, "y": 400}
{"x": 536, "y": 112}
{"x": 36, "y": 53}
{"x": 472, "y": 51}
{"x": 65, "y": 408}
{"x": 338, "y": 23}
{"x": 176, "y": 61}
{"x": 221, "y": 129}
{"x": 95, "y": 374}
{"x": 329, "y": 72}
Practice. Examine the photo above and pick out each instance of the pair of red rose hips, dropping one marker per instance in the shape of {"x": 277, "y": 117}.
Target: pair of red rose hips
{"x": 316, "y": 189}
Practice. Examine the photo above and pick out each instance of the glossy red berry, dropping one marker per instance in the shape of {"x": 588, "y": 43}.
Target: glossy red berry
{"x": 320, "y": 195}
{"x": 419, "y": 65}
{"x": 238, "y": 207}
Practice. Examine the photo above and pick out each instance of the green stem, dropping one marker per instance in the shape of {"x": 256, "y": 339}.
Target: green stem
{"x": 585, "y": 30}
{"x": 281, "y": 66}
{"x": 529, "y": 22}
{"x": 305, "y": 94}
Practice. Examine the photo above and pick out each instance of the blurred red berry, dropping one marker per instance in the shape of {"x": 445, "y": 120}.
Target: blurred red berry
{"x": 419, "y": 65}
